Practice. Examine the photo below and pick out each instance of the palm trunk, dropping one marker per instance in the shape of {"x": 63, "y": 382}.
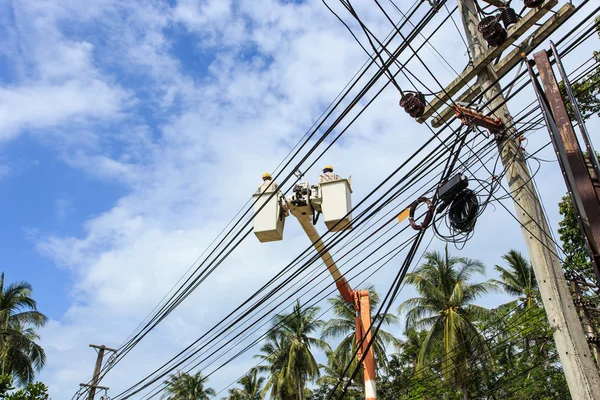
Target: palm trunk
{"x": 300, "y": 390}
{"x": 4, "y": 342}
{"x": 465, "y": 392}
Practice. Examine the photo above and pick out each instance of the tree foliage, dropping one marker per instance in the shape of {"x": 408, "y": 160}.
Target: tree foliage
{"x": 33, "y": 391}
{"x": 586, "y": 91}
{"x": 343, "y": 326}
{"x": 451, "y": 348}
{"x": 184, "y": 386}
{"x": 288, "y": 353}
{"x": 446, "y": 309}
{"x": 251, "y": 387}
{"x": 20, "y": 355}
{"x": 577, "y": 258}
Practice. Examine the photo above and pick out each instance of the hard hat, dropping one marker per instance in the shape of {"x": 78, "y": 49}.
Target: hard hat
{"x": 328, "y": 168}
{"x": 266, "y": 175}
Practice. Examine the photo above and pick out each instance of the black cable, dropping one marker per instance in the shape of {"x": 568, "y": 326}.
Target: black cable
{"x": 197, "y": 281}
{"x": 406, "y": 162}
{"x": 463, "y": 211}
{"x": 394, "y": 288}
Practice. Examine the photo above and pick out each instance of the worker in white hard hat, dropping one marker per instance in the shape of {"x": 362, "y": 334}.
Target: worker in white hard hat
{"x": 268, "y": 185}
{"x": 328, "y": 175}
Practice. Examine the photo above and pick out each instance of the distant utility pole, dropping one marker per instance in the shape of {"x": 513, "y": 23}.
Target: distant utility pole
{"x": 579, "y": 367}
{"x": 96, "y": 377}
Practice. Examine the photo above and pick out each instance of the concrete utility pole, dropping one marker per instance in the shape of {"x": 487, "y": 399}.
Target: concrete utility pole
{"x": 580, "y": 371}
{"x": 96, "y": 377}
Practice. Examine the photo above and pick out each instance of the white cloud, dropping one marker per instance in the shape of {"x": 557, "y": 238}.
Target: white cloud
{"x": 40, "y": 105}
{"x": 58, "y": 82}
{"x": 5, "y": 171}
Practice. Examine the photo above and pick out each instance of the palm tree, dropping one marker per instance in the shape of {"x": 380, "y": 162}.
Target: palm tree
{"x": 344, "y": 326}
{"x": 445, "y": 307}
{"x": 274, "y": 357}
{"x": 251, "y": 387}
{"x": 333, "y": 371}
{"x": 518, "y": 280}
{"x": 21, "y": 355}
{"x": 184, "y": 386}
{"x": 288, "y": 355}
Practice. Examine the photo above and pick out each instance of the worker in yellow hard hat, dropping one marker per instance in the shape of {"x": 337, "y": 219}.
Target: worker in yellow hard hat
{"x": 328, "y": 175}
{"x": 268, "y": 185}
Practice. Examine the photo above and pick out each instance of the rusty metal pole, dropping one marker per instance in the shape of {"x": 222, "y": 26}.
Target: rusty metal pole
{"x": 587, "y": 204}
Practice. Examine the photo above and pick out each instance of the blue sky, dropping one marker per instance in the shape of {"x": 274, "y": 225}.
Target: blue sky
{"x": 132, "y": 132}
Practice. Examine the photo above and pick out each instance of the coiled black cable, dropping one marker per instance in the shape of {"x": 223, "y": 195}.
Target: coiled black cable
{"x": 463, "y": 211}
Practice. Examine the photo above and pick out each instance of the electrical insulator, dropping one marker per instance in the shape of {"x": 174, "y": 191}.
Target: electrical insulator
{"x": 413, "y": 103}
{"x": 509, "y": 17}
{"x": 492, "y": 31}
{"x": 533, "y": 3}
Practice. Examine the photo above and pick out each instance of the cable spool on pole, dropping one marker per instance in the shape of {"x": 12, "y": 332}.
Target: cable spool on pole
{"x": 463, "y": 211}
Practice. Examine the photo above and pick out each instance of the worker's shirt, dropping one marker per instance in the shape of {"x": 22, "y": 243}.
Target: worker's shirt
{"x": 328, "y": 177}
{"x": 268, "y": 186}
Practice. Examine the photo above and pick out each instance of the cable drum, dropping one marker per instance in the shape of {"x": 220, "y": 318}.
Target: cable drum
{"x": 463, "y": 211}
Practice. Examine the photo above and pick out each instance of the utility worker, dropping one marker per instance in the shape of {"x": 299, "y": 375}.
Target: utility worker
{"x": 328, "y": 175}
{"x": 268, "y": 185}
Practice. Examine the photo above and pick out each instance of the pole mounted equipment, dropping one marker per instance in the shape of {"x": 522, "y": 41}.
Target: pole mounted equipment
{"x": 492, "y": 31}
{"x": 509, "y": 17}
{"x": 471, "y": 117}
{"x": 413, "y": 103}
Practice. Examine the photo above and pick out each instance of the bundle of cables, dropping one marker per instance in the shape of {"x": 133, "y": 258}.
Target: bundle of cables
{"x": 459, "y": 207}
{"x": 463, "y": 211}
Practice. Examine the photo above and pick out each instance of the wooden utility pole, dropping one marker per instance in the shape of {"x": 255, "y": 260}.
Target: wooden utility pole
{"x": 580, "y": 371}
{"x": 96, "y": 377}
